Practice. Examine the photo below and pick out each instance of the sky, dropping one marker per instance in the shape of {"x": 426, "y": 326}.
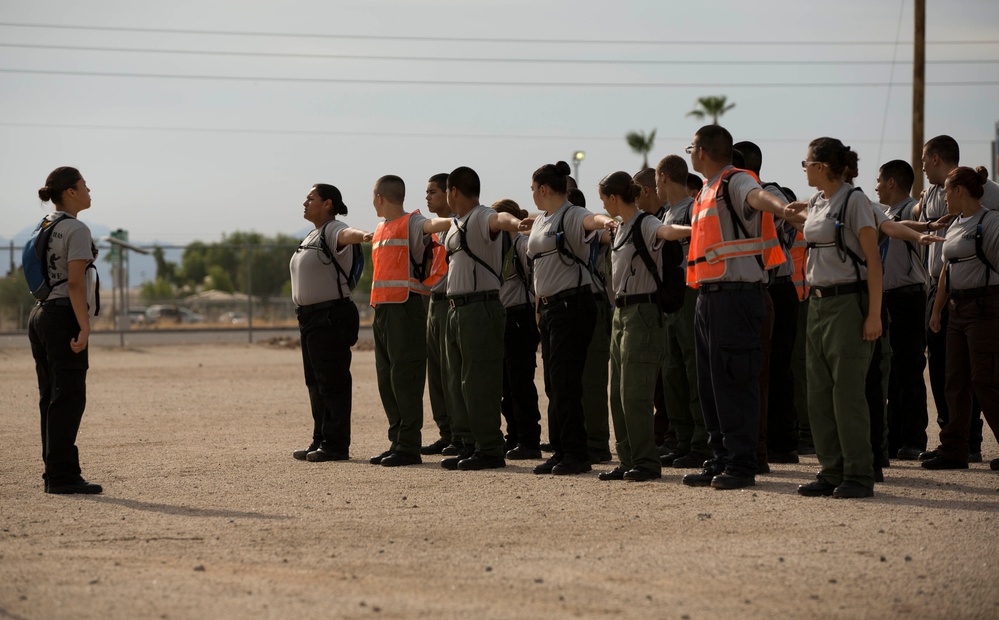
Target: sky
{"x": 192, "y": 119}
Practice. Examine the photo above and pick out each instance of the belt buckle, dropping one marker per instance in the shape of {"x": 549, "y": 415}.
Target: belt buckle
{"x": 451, "y": 304}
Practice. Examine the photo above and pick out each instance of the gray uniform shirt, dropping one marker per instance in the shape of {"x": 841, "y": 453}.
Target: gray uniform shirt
{"x": 934, "y": 207}
{"x": 70, "y": 240}
{"x": 314, "y": 278}
{"x": 960, "y": 243}
{"x": 465, "y": 274}
{"x": 630, "y": 275}
{"x": 825, "y": 267}
{"x": 514, "y": 292}
{"x": 904, "y": 260}
{"x": 553, "y": 271}
{"x": 679, "y": 214}
{"x": 742, "y": 268}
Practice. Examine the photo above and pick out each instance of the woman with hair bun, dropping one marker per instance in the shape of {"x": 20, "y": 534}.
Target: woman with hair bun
{"x": 520, "y": 345}
{"x": 327, "y": 320}
{"x": 638, "y": 329}
{"x": 559, "y": 247}
{"x": 844, "y": 320}
{"x": 969, "y": 283}
{"x": 59, "y": 331}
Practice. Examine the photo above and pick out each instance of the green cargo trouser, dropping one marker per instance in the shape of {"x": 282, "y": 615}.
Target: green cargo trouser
{"x": 436, "y": 373}
{"x": 595, "y": 412}
{"x": 837, "y": 363}
{"x": 474, "y": 360}
{"x": 401, "y": 367}
{"x": 683, "y": 405}
{"x": 638, "y": 336}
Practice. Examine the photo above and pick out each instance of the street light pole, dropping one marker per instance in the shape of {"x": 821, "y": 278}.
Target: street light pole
{"x": 577, "y": 157}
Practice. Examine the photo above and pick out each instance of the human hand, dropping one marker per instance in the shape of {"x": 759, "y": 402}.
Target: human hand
{"x": 872, "y": 328}
{"x": 79, "y": 343}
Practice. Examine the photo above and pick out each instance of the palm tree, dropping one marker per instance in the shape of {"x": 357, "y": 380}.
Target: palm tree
{"x": 641, "y": 144}
{"x": 711, "y": 106}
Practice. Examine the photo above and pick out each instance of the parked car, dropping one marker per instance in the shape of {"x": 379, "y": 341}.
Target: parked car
{"x": 232, "y": 318}
{"x": 178, "y": 315}
{"x": 137, "y": 316}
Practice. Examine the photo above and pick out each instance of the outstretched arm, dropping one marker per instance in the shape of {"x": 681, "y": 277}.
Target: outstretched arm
{"x": 596, "y": 221}
{"x": 350, "y": 236}
{"x": 903, "y": 232}
{"x": 673, "y": 232}
{"x": 436, "y": 225}
{"x": 762, "y": 200}
{"x": 503, "y": 221}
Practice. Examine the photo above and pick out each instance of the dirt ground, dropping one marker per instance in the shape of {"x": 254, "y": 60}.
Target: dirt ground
{"x": 206, "y": 515}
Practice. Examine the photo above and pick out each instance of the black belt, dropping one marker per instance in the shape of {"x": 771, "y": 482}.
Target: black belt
{"x": 469, "y": 298}
{"x": 520, "y": 308}
{"x": 971, "y": 293}
{"x": 60, "y": 301}
{"x": 303, "y": 310}
{"x": 714, "y": 287}
{"x": 911, "y": 288}
{"x": 630, "y": 300}
{"x": 569, "y": 292}
{"x": 837, "y": 289}
{"x": 784, "y": 280}
{"x": 438, "y": 296}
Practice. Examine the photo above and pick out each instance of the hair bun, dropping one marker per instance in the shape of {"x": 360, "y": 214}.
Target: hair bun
{"x": 983, "y": 174}
{"x": 44, "y": 193}
{"x": 562, "y": 168}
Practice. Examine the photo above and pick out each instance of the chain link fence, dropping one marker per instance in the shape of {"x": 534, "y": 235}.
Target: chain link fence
{"x": 129, "y": 304}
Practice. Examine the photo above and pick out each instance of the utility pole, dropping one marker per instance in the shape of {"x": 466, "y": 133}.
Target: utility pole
{"x": 918, "y": 92}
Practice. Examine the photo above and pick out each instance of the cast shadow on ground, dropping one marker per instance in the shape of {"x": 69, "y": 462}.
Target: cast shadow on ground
{"x": 186, "y": 511}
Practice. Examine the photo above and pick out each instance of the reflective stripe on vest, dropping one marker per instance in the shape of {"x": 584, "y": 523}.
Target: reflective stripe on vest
{"x": 799, "y": 254}
{"x": 710, "y": 251}
{"x": 392, "y": 280}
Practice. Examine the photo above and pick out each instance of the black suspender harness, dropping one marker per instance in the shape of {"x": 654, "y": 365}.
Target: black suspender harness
{"x": 840, "y": 243}
{"x": 463, "y": 247}
{"x": 564, "y": 251}
{"x": 979, "y": 252}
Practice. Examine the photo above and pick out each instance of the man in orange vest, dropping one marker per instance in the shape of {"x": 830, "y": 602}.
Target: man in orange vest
{"x": 733, "y": 246}
{"x": 398, "y": 296}
{"x": 436, "y": 326}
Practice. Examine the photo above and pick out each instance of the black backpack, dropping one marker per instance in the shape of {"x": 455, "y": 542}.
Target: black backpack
{"x": 671, "y": 282}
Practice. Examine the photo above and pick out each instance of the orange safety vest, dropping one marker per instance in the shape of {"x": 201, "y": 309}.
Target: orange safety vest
{"x": 709, "y": 252}
{"x": 799, "y": 254}
{"x": 392, "y": 280}
{"x": 438, "y": 268}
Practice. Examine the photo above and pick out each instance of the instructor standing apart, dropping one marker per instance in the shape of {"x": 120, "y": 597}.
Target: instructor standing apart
{"x": 59, "y": 330}
{"x": 328, "y": 321}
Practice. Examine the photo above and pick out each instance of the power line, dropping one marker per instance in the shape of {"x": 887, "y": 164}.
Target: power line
{"x": 398, "y": 134}
{"x": 364, "y": 37}
{"x": 603, "y": 61}
{"x": 313, "y": 80}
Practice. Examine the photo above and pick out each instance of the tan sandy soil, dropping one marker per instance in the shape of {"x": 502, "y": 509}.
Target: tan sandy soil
{"x": 206, "y": 515}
